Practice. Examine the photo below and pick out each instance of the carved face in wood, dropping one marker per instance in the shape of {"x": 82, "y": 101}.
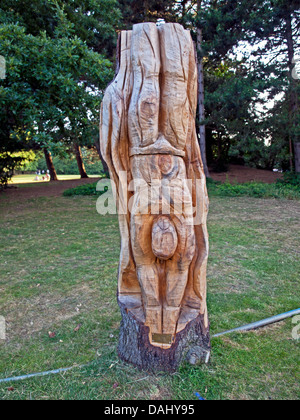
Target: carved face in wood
{"x": 148, "y": 131}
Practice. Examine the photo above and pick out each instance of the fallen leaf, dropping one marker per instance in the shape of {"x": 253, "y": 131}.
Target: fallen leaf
{"x": 78, "y": 327}
{"x": 115, "y": 385}
{"x": 11, "y": 389}
{"x": 51, "y": 334}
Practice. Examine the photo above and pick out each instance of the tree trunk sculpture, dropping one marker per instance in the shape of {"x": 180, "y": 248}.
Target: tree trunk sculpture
{"x": 149, "y": 142}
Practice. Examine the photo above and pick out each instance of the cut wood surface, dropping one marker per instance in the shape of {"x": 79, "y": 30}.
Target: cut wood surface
{"x": 148, "y": 133}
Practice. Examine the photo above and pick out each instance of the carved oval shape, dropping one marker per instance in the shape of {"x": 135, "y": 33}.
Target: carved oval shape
{"x": 164, "y": 238}
{"x": 165, "y": 164}
{"x": 148, "y": 108}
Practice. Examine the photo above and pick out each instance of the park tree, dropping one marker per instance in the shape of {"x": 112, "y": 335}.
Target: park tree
{"x": 273, "y": 28}
{"x": 218, "y": 30}
{"x": 145, "y": 11}
{"x": 256, "y": 42}
{"x": 281, "y": 36}
{"x": 94, "y": 21}
{"x": 53, "y": 87}
{"x": 233, "y": 128}
{"x": 49, "y": 83}
{"x": 201, "y": 91}
{"x": 246, "y": 53}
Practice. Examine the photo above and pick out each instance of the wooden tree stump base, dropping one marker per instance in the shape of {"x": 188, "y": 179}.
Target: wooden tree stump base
{"x": 191, "y": 345}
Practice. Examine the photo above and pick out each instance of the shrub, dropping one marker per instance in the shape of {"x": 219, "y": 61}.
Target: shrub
{"x": 8, "y": 163}
{"x": 86, "y": 189}
{"x": 254, "y": 189}
{"x": 219, "y": 189}
{"x": 290, "y": 178}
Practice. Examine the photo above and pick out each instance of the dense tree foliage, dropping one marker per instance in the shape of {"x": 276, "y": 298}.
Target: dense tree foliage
{"x": 145, "y": 11}
{"x": 59, "y": 56}
{"x": 51, "y": 95}
{"x": 244, "y": 49}
{"x": 247, "y": 66}
{"x": 93, "y": 21}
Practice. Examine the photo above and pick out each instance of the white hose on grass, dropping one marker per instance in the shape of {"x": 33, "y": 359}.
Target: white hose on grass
{"x": 248, "y": 327}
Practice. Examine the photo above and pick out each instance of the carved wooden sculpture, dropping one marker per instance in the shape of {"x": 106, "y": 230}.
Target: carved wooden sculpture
{"x": 149, "y": 142}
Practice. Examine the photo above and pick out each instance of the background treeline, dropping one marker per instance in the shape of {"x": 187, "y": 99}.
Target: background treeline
{"x": 59, "y": 59}
{"x": 64, "y": 165}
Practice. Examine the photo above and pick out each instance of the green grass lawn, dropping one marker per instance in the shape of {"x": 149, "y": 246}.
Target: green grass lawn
{"x": 58, "y": 273}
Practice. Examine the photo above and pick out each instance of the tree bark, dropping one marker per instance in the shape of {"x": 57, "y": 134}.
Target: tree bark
{"x": 201, "y": 107}
{"x": 80, "y": 162}
{"x": 297, "y": 157}
{"x": 183, "y": 3}
{"x": 293, "y": 99}
{"x": 105, "y": 167}
{"x": 50, "y": 165}
{"x": 191, "y": 345}
{"x": 209, "y": 144}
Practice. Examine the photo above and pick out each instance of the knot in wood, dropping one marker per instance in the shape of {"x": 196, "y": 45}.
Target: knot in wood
{"x": 164, "y": 238}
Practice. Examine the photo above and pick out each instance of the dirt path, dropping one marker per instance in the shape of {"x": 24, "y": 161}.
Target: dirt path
{"x": 236, "y": 173}
{"x": 47, "y": 189}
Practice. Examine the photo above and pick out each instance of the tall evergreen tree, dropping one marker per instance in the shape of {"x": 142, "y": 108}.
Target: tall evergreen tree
{"x": 269, "y": 46}
{"x": 145, "y": 11}
{"x": 281, "y": 30}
